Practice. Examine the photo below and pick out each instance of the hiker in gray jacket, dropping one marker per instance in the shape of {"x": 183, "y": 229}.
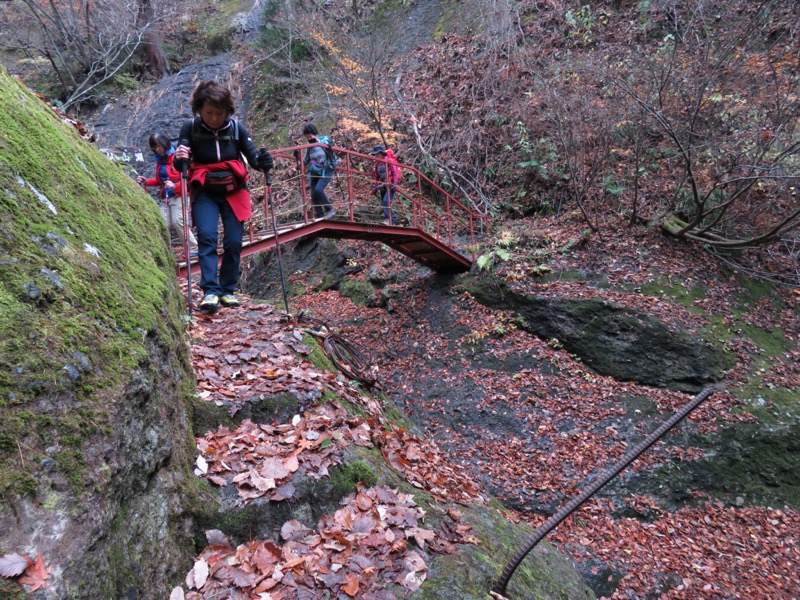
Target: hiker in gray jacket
{"x": 320, "y": 161}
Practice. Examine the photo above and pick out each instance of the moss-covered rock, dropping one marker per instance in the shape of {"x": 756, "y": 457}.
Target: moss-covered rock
{"x": 544, "y": 574}
{"x": 750, "y": 464}
{"x": 613, "y": 340}
{"x": 359, "y": 292}
{"x": 94, "y": 369}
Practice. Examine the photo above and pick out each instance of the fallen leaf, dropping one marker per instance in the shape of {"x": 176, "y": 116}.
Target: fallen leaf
{"x": 351, "y": 586}
{"x": 36, "y": 574}
{"x": 177, "y": 594}
{"x": 420, "y": 535}
{"x": 291, "y": 464}
{"x": 215, "y": 536}
{"x": 272, "y": 468}
{"x": 294, "y": 530}
{"x": 262, "y": 484}
{"x": 200, "y": 573}
{"x": 202, "y": 465}
{"x": 12, "y": 565}
{"x": 220, "y": 481}
{"x": 189, "y": 579}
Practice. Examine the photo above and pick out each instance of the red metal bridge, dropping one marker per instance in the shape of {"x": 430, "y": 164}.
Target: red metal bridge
{"x": 434, "y": 228}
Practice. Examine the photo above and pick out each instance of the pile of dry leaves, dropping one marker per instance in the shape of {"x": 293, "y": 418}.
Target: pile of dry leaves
{"x": 368, "y": 544}
{"x": 356, "y": 552}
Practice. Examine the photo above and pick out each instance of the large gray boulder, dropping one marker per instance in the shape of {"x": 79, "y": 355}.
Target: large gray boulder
{"x": 95, "y": 382}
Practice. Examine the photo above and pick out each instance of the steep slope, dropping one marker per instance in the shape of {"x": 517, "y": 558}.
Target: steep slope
{"x": 96, "y": 387}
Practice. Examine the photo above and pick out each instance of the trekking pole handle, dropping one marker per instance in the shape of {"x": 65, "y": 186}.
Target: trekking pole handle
{"x": 182, "y": 164}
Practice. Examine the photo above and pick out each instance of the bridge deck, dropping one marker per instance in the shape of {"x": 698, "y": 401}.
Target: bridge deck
{"x": 434, "y": 218}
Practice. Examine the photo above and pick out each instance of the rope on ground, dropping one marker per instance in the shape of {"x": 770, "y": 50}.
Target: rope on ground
{"x": 351, "y": 358}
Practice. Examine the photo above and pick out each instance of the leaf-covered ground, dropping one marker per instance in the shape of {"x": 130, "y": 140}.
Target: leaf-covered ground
{"x": 508, "y": 413}
{"x": 376, "y": 539}
{"x": 535, "y": 426}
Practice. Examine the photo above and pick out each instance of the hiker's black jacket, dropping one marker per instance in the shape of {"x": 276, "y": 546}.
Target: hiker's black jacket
{"x": 212, "y": 146}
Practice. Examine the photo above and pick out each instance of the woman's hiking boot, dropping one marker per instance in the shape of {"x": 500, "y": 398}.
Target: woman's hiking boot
{"x": 210, "y": 303}
{"x": 229, "y": 300}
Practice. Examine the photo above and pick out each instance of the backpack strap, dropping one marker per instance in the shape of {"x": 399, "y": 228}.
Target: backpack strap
{"x": 331, "y": 160}
{"x": 208, "y": 136}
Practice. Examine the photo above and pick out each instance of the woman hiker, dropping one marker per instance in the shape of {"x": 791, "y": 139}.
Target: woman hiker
{"x": 318, "y": 161}
{"x": 386, "y": 177}
{"x": 213, "y": 144}
{"x": 167, "y": 178}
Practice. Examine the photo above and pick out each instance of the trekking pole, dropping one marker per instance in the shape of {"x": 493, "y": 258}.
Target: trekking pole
{"x": 269, "y": 207}
{"x": 186, "y": 249}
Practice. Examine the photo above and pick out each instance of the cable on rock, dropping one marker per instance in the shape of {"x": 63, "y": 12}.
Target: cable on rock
{"x": 499, "y": 587}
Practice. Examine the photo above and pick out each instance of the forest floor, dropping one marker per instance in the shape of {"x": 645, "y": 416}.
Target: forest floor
{"x": 525, "y": 420}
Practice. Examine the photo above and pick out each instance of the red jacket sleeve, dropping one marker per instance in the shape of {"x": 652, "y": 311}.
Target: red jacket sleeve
{"x": 153, "y": 181}
{"x": 172, "y": 173}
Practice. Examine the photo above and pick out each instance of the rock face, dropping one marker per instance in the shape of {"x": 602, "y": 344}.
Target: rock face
{"x": 612, "y": 340}
{"x": 95, "y": 444}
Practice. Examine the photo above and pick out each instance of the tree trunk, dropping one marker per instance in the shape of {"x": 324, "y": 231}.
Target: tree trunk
{"x": 155, "y": 58}
{"x": 157, "y": 63}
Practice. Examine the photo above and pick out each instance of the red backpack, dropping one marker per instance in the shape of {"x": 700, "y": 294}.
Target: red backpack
{"x": 394, "y": 167}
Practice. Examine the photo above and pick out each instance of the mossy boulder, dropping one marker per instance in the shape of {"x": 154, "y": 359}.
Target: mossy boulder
{"x": 94, "y": 372}
{"x": 752, "y": 464}
{"x": 613, "y": 340}
{"x": 544, "y": 574}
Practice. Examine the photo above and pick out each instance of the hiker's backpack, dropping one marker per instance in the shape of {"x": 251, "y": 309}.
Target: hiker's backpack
{"x": 331, "y": 160}
{"x": 394, "y": 166}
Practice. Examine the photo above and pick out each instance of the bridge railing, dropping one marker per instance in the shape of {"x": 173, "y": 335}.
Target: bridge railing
{"x": 418, "y": 202}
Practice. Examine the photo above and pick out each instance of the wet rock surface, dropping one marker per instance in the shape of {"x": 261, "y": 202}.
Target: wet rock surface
{"x": 122, "y": 126}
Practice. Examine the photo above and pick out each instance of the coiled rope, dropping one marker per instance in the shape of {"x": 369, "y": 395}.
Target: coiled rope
{"x": 352, "y": 359}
